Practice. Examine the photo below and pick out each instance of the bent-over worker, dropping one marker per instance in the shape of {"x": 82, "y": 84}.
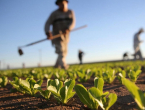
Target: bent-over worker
{"x": 137, "y": 43}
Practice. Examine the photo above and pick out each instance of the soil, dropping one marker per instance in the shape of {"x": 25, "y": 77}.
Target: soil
{"x": 19, "y": 101}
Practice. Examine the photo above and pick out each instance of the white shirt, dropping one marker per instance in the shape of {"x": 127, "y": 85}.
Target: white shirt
{"x": 137, "y": 42}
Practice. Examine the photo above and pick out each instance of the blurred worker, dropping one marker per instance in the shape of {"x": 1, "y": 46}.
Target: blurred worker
{"x": 125, "y": 56}
{"x": 39, "y": 65}
{"x": 62, "y": 20}
{"x": 23, "y": 65}
{"x": 8, "y": 67}
{"x": 137, "y": 43}
{"x": 80, "y": 56}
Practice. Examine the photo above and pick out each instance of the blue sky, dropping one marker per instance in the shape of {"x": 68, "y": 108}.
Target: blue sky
{"x": 111, "y": 26}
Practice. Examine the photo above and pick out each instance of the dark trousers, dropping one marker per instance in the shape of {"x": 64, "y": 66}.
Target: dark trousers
{"x": 80, "y": 58}
{"x": 138, "y": 53}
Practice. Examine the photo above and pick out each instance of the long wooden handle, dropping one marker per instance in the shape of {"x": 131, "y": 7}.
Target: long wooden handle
{"x": 54, "y": 37}
{"x": 58, "y": 35}
{"x": 33, "y": 43}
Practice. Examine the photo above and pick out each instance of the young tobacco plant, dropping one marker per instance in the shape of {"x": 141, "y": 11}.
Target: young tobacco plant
{"x": 133, "y": 75}
{"x": 36, "y": 73}
{"x": 17, "y": 73}
{"x": 98, "y": 73}
{"x": 45, "y": 93}
{"x": 27, "y": 86}
{"x": 3, "y": 81}
{"x": 61, "y": 75}
{"x": 63, "y": 93}
{"x": 109, "y": 75}
{"x": 95, "y": 97}
{"x": 84, "y": 75}
{"x": 72, "y": 74}
{"x": 123, "y": 74}
{"x": 136, "y": 93}
{"x": 133, "y": 72}
{"x": 48, "y": 75}
{"x": 15, "y": 84}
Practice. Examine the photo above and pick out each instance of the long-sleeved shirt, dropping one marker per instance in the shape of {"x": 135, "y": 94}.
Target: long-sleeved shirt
{"x": 60, "y": 22}
{"x": 137, "y": 41}
{"x": 80, "y": 54}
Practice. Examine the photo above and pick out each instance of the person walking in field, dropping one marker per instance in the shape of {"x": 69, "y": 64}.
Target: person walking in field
{"x": 62, "y": 20}
{"x": 125, "y": 56}
{"x": 80, "y": 56}
{"x": 137, "y": 43}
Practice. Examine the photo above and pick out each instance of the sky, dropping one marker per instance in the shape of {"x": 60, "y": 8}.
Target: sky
{"x": 111, "y": 27}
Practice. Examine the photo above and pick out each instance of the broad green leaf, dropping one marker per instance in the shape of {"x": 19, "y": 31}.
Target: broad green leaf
{"x": 16, "y": 79}
{"x": 1, "y": 81}
{"x": 99, "y": 83}
{"x": 32, "y": 82}
{"x": 16, "y": 86}
{"x": 52, "y": 88}
{"x": 57, "y": 95}
{"x": 59, "y": 84}
{"x": 70, "y": 95}
{"x": 136, "y": 93}
{"x": 70, "y": 85}
{"x": 37, "y": 86}
{"x": 24, "y": 82}
{"x": 39, "y": 82}
{"x": 95, "y": 92}
{"x": 105, "y": 94}
{"x": 84, "y": 95}
{"x": 54, "y": 85}
{"x": 48, "y": 82}
{"x": 111, "y": 100}
{"x": 63, "y": 94}
{"x": 46, "y": 93}
{"x": 123, "y": 73}
{"x": 25, "y": 86}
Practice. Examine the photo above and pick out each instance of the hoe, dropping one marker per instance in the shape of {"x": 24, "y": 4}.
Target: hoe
{"x": 54, "y": 37}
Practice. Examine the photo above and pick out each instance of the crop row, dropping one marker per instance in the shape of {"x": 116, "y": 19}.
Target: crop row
{"x": 64, "y": 91}
{"x": 61, "y": 83}
{"x": 108, "y": 74}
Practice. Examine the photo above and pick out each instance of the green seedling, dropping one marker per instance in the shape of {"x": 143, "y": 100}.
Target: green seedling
{"x": 84, "y": 75}
{"x": 94, "y": 97}
{"x": 63, "y": 93}
{"x": 27, "y": 86}
{"x": 123, "y": 74}
{"x": 61, "y": 75}
{"x": 136, "y": 93}
{"x": 109, "y": 76}
{"x": 3, "y": 81}
{"x": 133, "y": 75}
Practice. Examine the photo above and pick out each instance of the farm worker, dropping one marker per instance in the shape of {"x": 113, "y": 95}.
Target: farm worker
{"x": 62, "y": 20}
{"x": 137, "y": 43}
{"x": 80, "y": 56}
{"x": 125, "y": 56}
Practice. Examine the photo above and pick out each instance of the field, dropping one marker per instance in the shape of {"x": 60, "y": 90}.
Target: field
{"x": 15, "y": 98}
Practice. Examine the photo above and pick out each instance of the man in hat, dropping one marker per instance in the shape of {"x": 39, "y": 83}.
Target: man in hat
{"x": 137, "y": 43}
{"x": 62, "y": 20}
